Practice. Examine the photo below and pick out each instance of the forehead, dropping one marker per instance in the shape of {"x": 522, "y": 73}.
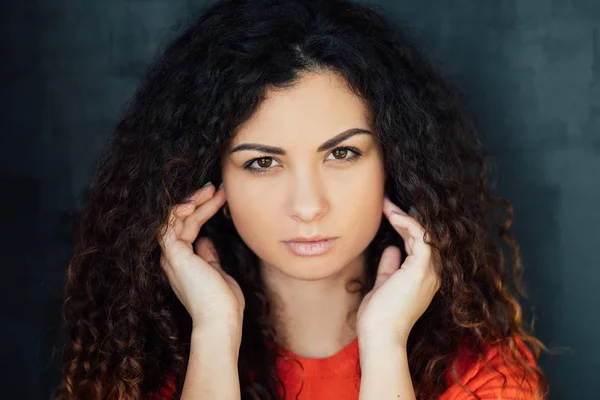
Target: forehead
{"x": 317, "y": 107}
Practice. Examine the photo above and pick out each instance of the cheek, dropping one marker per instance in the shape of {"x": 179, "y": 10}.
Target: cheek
{"x": 361, "y": 203}
{"x": 362, "y": 216}
{"x": 253, "y": 210}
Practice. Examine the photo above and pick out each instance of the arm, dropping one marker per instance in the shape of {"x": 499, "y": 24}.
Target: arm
{"x": 212, "y": 371}
{"x": 385, "y": 373}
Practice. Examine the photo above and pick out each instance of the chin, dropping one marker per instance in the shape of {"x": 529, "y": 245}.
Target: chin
{"x": 313, "y": 268}
{"x": 314, "y": 272}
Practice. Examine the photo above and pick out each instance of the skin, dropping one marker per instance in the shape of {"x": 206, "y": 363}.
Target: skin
{"x": 303, "y": 193}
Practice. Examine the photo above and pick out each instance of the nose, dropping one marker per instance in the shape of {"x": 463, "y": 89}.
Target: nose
{"x": 308, "y": 198}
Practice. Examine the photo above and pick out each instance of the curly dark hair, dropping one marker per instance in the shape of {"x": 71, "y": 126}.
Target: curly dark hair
{"x": 128, "y": 332}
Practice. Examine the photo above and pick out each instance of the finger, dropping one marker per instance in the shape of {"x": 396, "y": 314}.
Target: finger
{"x": 205, "y": 248}
{"x": 388, "y": 264}
{"x": 412, "y": 233}
{"x": 175, "y": 223}
{"x": 169, "y": 234}
{"x": 184, "y": 210}
{"x": 389, "y": 207}
{"x": 193, "y": 223}
{"x": 409, "y": 228}
{"x": 202, "y": 195}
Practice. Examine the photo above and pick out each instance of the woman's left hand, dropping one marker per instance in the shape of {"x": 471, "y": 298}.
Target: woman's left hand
{"x": 401, "y": 293}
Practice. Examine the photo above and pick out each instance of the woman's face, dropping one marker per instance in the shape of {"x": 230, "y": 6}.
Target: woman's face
{"x": 313, "y": 180}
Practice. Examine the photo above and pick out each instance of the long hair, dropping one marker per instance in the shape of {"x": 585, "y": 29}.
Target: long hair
{"x": 126, "y": 330}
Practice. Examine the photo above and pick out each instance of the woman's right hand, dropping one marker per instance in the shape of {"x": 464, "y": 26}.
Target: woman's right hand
{"x": 210, "y": 295}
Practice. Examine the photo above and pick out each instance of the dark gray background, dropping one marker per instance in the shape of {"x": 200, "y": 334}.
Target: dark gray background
{"x": 531, "y": 72}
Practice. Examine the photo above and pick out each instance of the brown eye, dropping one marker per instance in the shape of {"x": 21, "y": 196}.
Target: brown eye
{"x": 260, "y": 164}
{"x": 345, "y": 154}
{"x": 342, "y": 153}
{"x": 264, "y": 162}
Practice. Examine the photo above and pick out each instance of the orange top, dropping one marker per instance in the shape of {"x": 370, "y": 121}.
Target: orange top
{"x": 336, "y": 376}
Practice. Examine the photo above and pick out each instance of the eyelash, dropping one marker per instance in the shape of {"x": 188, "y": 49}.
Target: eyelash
{"x": 254, "y": 170}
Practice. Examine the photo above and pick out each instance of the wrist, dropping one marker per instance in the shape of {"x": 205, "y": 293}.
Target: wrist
{"x": 221, "y": 338}
{"x": 383, "y": 339}
{"x": 381, "y": 344}
{"x": 372, "y": 353}
{"x": 223, "y": 324}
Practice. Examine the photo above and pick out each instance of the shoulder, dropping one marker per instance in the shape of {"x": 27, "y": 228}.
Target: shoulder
{"x": 493, "y": 374}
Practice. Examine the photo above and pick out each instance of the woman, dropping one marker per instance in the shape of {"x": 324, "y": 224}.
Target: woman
{"x": 295, "y": 205}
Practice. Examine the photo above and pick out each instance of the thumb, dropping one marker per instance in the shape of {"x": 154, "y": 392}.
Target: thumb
{"x": 205, "y": 248}
{"x": 388, "y": 264}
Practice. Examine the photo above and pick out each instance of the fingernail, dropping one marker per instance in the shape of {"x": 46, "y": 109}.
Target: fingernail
{"x": 206, "y": 184}
{"x": 396, "y": 212}
{"x": 221, "y": 185}
{"x": 188, "y": 201}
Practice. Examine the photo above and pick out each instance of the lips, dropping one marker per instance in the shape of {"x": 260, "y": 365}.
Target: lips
{"x": 316, "y": 238}
{"x": 305, "y": 247}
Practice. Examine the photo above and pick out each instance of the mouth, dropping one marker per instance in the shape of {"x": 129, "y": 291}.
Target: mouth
{"x": 310, "y": 247}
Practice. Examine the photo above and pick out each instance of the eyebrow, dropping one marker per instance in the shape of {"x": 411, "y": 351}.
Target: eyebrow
{"x": 334, "y": 141}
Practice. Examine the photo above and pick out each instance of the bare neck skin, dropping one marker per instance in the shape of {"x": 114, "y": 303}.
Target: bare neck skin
{"x": 315, "y": 319}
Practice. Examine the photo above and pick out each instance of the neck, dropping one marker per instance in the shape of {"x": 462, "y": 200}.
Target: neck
{"x": 315, "y": 319}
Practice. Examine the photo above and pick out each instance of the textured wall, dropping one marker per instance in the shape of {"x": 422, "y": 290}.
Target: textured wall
{"x": 530, "y": 68}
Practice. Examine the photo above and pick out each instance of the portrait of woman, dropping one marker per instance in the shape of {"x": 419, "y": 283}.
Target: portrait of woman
{"x": 296, "y": 205}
